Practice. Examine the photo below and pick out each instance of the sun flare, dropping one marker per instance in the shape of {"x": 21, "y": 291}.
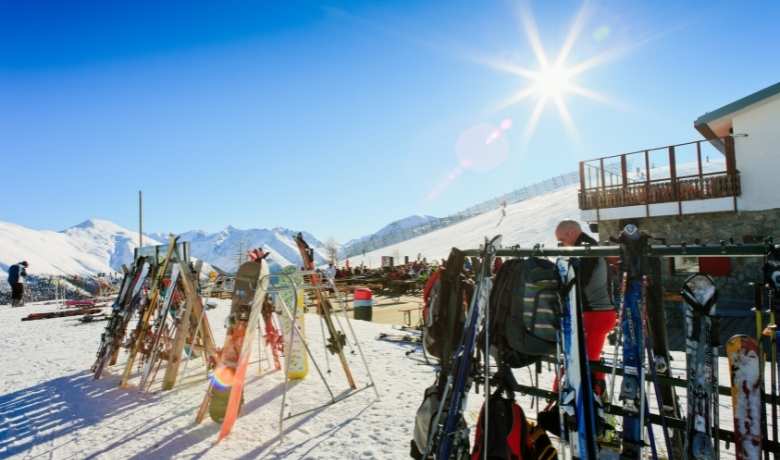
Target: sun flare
{"x": 553, "y": 80}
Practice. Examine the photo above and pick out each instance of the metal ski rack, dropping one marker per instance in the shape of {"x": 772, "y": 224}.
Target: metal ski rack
{"x": 698, "y": 250}
{"x": 721, "y": 249}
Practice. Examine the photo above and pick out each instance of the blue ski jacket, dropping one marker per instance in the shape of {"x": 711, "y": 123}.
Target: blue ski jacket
{"x": 15, "y": 274}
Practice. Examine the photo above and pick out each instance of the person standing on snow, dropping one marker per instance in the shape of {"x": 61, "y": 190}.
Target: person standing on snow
{"x": 16, "y": 276}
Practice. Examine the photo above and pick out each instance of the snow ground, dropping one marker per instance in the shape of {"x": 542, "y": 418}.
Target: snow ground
{"x": 50, "y": 405}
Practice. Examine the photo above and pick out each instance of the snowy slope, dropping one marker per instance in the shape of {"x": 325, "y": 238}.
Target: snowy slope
{"x": 526, "y": 223}
{"x": 92, "y": 247}
{"x": 393, "y": 228}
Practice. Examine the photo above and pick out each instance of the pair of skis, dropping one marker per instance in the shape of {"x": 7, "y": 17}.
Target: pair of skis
{"x": 744, "y": 359}
{"x": 121, "y": 313}
{"x": 449, "y": 438}
{"x": 575, "y": 396}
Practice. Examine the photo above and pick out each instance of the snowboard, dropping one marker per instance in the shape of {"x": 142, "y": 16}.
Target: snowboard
{"x": 294, "y": 350}
{"x": 743, "y": 356}
{"x": 245, "y": 337}
{"x": 700, "y": 294}
{"x": 223, "y": 376}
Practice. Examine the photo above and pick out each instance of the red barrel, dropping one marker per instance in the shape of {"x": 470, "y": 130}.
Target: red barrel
{"x": 362, "y": 293}
{"x": 363, "y": 304}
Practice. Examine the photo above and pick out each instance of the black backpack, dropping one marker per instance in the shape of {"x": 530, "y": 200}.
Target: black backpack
{"x": 445, "y": 316}
{"x": 524, "y": 311}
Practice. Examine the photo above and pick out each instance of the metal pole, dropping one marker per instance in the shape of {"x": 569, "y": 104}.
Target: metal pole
{"x": 140, "y": 219}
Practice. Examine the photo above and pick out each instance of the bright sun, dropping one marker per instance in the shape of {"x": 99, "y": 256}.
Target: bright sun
{"x": 552, "y": 82}
{"x": 554, "y": 79}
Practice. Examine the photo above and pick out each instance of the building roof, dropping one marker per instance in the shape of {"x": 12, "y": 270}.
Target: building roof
{"x": 737, "y": 105}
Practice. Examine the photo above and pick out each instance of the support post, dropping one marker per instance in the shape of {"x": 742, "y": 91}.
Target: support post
{"x": 140, "y": 219}
{"x": 673, "y": 176}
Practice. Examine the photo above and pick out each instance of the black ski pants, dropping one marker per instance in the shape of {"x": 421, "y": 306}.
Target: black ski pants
{"x": 17, "y": 293}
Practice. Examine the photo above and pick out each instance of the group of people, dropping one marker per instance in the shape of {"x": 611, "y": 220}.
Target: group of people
{"x": 17, "y": 274}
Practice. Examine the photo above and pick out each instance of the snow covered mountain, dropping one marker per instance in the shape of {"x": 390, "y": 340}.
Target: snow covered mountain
{"x": 91, "y": 247}
{"x": 223, "y": 249}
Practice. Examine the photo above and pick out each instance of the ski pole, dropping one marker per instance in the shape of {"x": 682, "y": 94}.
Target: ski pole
{"x": 773, "y": 359}
{"x": 618, "y": 337}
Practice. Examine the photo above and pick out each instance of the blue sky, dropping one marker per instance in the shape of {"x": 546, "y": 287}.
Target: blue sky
{"x": 337, "y": 117}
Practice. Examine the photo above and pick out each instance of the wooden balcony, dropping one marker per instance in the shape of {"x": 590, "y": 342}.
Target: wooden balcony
{"x": 686, "y": 188}
{"x": 661, "y": 175}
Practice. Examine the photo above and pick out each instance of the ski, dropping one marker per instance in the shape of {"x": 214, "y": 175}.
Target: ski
{"x": 337, "y": 339}
{"x": 744, "y": 364}
{"x": 700, "y": 294}
{"x": 399, "y": 338}
{"x": 236, "y": 390}
{"x": 273, "y": 338}
{"x": 159, "y": 327}
{"x": 121, "y": 313}
{"x": 632, "y": 388}
{"x": 575, "y": 393}
{"x": 142, "y": 328}
{"x": 61, "y": 314}
{"x": 451, "y": 439}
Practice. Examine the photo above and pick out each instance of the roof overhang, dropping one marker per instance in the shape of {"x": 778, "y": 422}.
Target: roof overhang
{"x": 718, "y": 122}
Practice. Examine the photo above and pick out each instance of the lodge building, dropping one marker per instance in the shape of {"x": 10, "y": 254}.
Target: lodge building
{"x": 720, "y": 188}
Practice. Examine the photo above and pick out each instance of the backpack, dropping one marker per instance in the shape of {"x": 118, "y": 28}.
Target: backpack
{"x": 510, "y": 435}
{"x": 425, "y": 417}
{"x": 525, "y": 311}
{"x": 444, "y": 313}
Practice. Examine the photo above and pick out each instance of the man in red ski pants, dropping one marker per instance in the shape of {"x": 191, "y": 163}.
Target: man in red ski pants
{"x": 598, "y": 312}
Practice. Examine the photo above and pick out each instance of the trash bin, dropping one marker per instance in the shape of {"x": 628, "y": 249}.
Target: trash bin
{"x": 363, "y": 304}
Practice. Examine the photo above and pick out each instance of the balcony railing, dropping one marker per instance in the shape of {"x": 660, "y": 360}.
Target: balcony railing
{"x": 695, "y": 170}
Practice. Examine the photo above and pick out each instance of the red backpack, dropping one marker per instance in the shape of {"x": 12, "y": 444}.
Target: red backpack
{"x": 510, "y": 435}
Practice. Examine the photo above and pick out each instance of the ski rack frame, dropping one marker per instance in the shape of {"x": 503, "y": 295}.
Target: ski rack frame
{"x": 295, "y": 330}
{"x": 698, "y": 250}
{"x": 724, "y": 248}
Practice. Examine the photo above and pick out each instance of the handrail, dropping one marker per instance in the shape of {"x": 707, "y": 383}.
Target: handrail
{"x": 720, "y": 138}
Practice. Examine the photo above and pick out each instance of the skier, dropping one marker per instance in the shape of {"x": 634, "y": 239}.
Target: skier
{"x": 599, "y": 315}
{"x": 16, "y": 276}
{"x": 330, "y": 272}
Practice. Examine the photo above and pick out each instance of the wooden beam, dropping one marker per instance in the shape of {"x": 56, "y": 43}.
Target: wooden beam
{"x": 194, "y": 307}
{"x": 701, "y": 170}
{"x": 673, "y": 176}
{"x": 647, "y": 183}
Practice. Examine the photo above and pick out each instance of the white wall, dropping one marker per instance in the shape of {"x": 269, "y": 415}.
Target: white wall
{"x": 758, "y": 155}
